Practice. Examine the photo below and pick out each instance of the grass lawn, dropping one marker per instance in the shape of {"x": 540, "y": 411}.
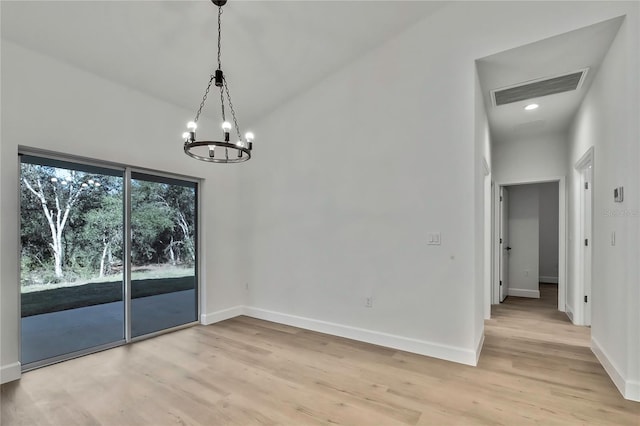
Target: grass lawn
{"x": 97, "y": 293}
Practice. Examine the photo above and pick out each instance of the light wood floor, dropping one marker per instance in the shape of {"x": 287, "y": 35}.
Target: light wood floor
{"x": 535, "y": 368}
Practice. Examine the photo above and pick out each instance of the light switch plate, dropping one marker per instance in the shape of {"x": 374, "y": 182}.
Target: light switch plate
{"x": 618, "y": 194}
{"x": 434, "y": 239}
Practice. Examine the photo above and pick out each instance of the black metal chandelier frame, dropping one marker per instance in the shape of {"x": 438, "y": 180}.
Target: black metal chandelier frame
{"x": 240, "y": 150}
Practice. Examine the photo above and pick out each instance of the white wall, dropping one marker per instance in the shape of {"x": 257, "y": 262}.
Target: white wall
{"x": 608, "y": 121}
{"x": 530, "y": 157}
{"x": 549, "y": 227}
{"x": 362, "y": 167}
{"x": 523, "y": 240}
{"x": 49, "y": 105}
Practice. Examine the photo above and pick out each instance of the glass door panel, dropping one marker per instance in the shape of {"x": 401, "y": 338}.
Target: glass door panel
{"x": 164, "y": 291}
{"x": 71, "y": 270}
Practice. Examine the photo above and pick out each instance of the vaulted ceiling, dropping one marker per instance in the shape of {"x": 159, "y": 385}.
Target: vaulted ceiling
{"x": 272, "y": 50}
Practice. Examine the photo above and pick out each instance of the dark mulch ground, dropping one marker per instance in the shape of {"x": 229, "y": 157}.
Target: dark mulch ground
{"x": 60, "y": 299}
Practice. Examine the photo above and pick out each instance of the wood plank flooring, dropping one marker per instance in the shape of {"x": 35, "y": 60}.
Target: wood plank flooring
{"x": 535, "y": 368}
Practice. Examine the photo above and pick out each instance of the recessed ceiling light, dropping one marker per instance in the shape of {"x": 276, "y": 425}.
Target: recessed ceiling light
{"x": 531, "y": 107}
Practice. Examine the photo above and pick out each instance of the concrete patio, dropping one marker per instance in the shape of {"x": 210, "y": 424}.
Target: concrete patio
{"x": 48, "y": 335}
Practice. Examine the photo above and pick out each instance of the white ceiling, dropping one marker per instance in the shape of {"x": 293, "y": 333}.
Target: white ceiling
{"x": 272, "y": 50}
{"x": 572, "y": 51}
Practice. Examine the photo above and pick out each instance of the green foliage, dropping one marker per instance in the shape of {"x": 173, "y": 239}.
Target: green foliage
{"x": 102, "y": 234}
{"x": 162, "y": 224}
{"x": 151, "y": 222}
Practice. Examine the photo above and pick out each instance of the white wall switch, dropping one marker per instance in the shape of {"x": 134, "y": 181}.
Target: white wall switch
{"x": 618, "y": 194}
{"x": 434, "y": 239}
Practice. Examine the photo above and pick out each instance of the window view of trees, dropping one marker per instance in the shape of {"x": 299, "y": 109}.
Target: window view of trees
{"x": 162, "y": 224}
{"x": 72, "y": 227}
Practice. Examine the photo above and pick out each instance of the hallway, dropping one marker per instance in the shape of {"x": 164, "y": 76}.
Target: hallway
{"x": 536, "y": 320}
{"x": 535, "y": 348}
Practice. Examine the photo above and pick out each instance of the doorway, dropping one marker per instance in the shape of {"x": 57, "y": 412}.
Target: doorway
{"x": 584, "y": 167}
{"x": 503, "y": 243}
{"x": 107, "y": 255}
{"x": 522, "y": 256}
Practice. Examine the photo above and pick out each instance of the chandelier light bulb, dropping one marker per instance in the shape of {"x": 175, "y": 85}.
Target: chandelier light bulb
{"x": 192, "y": 125}
{"x": 249, "y": 136}
{"x": 84, "y": 185}
{"x": 91, "y": 181}
{"x": 186, "y": 135}
{"x": 97, "y": 184}
{"x": 226, "y": 126}
{"x": 54, "y": 180}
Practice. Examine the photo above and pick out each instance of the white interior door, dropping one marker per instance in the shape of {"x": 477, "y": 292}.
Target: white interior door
{"x": 587, "y": 174}
{"x": 504, "y": 243}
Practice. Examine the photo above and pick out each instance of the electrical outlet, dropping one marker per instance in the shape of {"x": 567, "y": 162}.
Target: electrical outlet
{"x": 368, "y": 302}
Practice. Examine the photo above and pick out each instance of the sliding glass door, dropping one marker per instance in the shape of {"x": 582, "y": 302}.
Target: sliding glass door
{"x": 71, "y": 280}
{"x": 79, "y": 290}
{"x": 163, "y": 253}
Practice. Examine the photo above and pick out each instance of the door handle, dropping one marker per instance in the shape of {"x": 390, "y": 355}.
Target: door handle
{"x": 507, "y": 248}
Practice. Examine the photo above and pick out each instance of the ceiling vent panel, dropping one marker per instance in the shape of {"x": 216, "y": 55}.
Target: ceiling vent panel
{"x": 538, "y": 88}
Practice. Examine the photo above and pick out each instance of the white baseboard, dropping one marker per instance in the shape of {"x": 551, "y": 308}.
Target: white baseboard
{"x": 520, "y": 292}
{"x": 10, "y": 372}
{"x": 628, "y": 388}
{"x": 569, "y": 312}
{"x": 479, "y": 346}
{"x": 550, "y": 280}
{"x": 225, "y": 314}
{"x": 436, "y": 350}
{"x": 632, "y": 390}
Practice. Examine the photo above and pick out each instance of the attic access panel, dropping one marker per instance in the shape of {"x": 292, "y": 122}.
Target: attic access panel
{"x": 538, "y": 88}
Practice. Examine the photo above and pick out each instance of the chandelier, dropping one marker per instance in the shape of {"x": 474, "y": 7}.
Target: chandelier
{"x": 218, "y": 151}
